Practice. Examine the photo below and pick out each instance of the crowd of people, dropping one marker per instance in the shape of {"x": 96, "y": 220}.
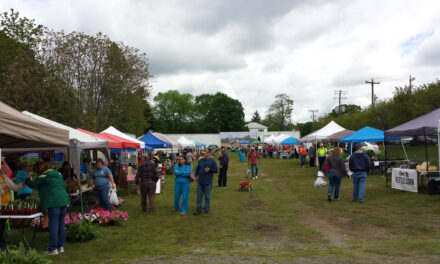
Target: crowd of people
{"x": 54, "y": 199}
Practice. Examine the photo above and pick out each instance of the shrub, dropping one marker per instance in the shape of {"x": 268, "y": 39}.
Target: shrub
{"x": 81, "y": 231}
{"x": 21, "y": 256}
{"x": 370, "y": 153}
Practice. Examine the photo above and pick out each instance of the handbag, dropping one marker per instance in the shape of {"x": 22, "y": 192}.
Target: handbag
{"x": 326, "y": 167}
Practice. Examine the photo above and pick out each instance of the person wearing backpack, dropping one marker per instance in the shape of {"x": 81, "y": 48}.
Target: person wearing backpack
{"x": 302, "y": 154}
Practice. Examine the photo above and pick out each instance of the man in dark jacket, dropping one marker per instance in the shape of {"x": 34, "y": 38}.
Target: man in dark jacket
{"x": 312, "y": 155}
{"x": 146, "y": 178}
{"x": 224, "y": 163}
{"x": 359, "y": 163}
{"x": 205, "y": 169}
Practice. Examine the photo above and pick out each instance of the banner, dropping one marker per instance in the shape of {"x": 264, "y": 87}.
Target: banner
{"x": 404, "y": 179}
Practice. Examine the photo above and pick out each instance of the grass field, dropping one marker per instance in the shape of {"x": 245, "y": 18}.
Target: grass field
{"x": 283, "y": 220}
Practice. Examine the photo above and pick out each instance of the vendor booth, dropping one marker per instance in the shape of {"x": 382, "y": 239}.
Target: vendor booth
{"x": 367, "y": 134}
{"x": 322, "y": 133}
{"x": 425, "y": 125}
{"x": 186, "y": 143}
{"x": 114, "y": 131}
{"x": 153, "y": 142}
{"x": 269, "y": 140}
{"x": 174, "y": 143}
{"x": 20, "y": 131}
{"x": 333, "y": 138}
{"x": 289, "y": 141}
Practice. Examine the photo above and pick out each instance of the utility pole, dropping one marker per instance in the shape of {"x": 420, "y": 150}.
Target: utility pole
{"x": 372, "y": 90}
{"x": 339, "y": 94}
{"x": 313, "y": 114}
{"x": 411, "y": 79}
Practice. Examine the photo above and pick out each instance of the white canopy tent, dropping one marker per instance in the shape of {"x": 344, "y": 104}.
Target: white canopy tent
{"x": 322, "y": 133}
{"x": 269, "y": 140}
{"x": 280, "y": 138}
{"x": 79, "y": 141}
{"x": 186, "y": 143}
{"x": 114, "y": 131}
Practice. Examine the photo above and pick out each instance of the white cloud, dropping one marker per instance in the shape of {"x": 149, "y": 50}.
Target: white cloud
{"x": 253, "y": 50}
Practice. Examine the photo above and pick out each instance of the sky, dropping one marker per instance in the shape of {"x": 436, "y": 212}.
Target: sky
{"x": 254, "y": 50}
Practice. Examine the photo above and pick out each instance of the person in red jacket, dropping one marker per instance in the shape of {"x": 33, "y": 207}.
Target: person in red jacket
{"x": 253, "y": 162}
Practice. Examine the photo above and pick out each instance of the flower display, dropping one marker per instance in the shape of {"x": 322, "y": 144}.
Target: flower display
{"x": 109, "y": 217}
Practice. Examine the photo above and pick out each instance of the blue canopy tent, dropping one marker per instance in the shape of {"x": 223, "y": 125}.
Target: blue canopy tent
{"x": 367, "y": 134}
{"x": 198, "y": 144}
{"x": 153, "y": 142}
{"x": 245, "y": 142}
{"x": 289, "y": 141}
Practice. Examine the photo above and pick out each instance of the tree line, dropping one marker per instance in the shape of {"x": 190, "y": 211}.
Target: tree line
{"x": 93, "y": 82}
{"x": 74, "y": 78}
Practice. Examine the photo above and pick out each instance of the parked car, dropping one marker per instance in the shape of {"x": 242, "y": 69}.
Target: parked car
{"x": 371, "y": 146}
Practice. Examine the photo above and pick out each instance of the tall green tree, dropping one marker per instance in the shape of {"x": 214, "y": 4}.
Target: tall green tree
{"x": 279, "y": 115}
{"x": 173, "y": 111}
{"x": 218, "y": 112}
{"x": 256, "y": 117}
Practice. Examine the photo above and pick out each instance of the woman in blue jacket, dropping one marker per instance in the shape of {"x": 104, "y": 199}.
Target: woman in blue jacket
{"x": 181, "y": 187}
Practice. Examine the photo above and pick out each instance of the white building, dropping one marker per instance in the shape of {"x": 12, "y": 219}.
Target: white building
{"x": 256, "y": 128}
{"x": 262, "y": 132}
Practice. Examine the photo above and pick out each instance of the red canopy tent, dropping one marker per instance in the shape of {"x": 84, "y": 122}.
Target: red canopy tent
{"x": 114, "y": 142}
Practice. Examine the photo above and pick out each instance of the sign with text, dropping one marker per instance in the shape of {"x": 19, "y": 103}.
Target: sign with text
{"x": 404, "y": 179}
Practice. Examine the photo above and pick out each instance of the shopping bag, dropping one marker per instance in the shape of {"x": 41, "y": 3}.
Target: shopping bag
{"x": 320, "y": 182}
{"x": 114, "y": 197}
{"x": 249, "y": 170}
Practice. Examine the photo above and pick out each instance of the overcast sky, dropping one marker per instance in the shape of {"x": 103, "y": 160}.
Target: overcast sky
{"x": 253, "y": 50}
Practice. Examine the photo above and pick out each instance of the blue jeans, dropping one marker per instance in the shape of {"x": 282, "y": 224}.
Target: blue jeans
{"x": 181, "y": 189}
{"x": 56, "y": 227}
{"x": 101, "y": 194}
{"x": 334, "y": 184}
{"x": 359, "y": 180}
{"x": 303, "y": 160}
{"x": 256, "y": 170}
{"x": 203, "y": 189}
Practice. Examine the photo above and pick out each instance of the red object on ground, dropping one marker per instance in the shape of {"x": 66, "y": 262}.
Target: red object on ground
{"x": 245, "y": 183}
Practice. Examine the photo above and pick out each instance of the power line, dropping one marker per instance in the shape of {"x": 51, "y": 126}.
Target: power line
{"x": 313, "y": 114}
{"x": 372, "y": 90}
{"x": 339, "y": 93}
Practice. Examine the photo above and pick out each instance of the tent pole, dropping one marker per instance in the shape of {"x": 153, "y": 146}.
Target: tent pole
{"x": 427, "y": 162}
{"x": 438, "y": 146}
{"x": 404, "y": 151}
{"x": 68, "y": 186}
{"x": 386, "y": 167}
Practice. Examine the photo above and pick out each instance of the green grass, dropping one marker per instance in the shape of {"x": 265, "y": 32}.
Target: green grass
{"x": 284, "y": 218}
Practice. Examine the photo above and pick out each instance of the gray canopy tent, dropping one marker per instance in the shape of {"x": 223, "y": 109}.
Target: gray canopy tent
{"x": 20, "y": 131}
{"x": 425, "y": 125}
